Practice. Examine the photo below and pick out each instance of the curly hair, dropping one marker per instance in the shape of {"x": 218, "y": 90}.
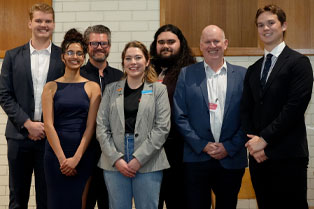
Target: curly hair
{"x": 73, "y": 36}
{"x": 185, "y": 56}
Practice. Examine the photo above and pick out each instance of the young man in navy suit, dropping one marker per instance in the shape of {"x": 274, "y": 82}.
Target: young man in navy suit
{"x": 207, "y": 114}
{"x": 277, "y": 90}
{"x": 25, "y": 70}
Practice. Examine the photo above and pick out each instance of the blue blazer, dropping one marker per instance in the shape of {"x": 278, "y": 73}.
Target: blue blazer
{"x": 192, "y": 116}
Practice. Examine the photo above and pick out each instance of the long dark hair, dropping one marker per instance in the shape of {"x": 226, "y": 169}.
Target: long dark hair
{"x": 185, "y": 56}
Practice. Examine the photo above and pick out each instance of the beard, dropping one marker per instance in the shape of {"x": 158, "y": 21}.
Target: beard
{"x": 166, "y": 62}
{"x": 99, "y": 58}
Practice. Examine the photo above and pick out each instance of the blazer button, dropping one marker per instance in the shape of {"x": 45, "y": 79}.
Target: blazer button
{"x": 136, "y": 135}
{"x": 261, "y": 103}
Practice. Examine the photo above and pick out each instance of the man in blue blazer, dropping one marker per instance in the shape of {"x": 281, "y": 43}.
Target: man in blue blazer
{"x": 207, "y": 113}
{"x": 25, "y": 70}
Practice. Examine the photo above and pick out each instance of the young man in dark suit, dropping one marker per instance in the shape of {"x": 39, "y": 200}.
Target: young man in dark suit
{"x": 25, "y": 70}
{"x": 277, "y": 90}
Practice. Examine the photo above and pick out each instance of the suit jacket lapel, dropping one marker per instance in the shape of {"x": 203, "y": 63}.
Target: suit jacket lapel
{"x": 231, "y": 80}
{"x": 120, "y": 101}
{"x": 255, "y": 79}
{"x": 202, "y": 81}
{"x": 145, "y": 99}
{"x": 280, "y": 61}
{"x": 27, "y": 63}
{"x": 52, "y": 63}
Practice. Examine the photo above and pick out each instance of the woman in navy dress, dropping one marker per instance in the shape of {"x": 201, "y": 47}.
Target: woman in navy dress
{"x": 70, "y": 105}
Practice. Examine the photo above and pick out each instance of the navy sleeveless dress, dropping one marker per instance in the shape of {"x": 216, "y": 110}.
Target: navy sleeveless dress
{"x": 71, "y": 105}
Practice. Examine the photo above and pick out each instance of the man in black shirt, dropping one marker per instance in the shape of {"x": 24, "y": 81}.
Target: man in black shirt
{"x": 169, "y": 53}
{"x": 97, "y": 69}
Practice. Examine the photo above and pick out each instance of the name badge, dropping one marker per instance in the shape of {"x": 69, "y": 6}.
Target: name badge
{"x": 147, "y": 91}
{"x": 213, "y": 106}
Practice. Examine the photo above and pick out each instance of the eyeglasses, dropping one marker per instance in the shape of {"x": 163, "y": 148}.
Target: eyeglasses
{"x": 95, "y": 44}
{"x": 71, "y": 53}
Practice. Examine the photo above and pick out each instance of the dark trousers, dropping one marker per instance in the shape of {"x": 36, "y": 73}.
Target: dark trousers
{"x": 97, "y": 189}
{"x": 202, "y": 177}
{"x": 280, "y": 183}
{"x": 171, "y": 191}
{"x": 24, "y": 157}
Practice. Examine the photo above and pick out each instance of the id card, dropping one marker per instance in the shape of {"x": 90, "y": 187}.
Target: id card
{"x": 147, "y": 92}
{"x": 212, "y": 106}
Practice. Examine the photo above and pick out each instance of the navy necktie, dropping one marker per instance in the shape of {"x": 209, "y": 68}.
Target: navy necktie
{"x": 266, "y": 70}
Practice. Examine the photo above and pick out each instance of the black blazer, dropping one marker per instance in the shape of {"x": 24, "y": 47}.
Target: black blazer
{"x": 277, "y": 112}
{"x": 16, "y": 87}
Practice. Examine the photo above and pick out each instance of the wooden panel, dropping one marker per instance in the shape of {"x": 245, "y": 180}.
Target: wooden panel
{"x": 14, "y": 19}
{"x": 246, "y": 190}
{"x": 237, "y": 18}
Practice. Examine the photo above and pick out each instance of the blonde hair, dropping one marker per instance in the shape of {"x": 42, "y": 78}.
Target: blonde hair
{"x": 150, "y": 74}
{"x": 42, "y": 7}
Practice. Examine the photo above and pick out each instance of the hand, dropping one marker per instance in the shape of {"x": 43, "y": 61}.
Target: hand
{"x": 123, "y": 167}
{"x": 68, "y": 166}
{"x": 36, "y": 130}
{"x": 219, "y": 152}
{"x": 260, "y": 156}
{"x": 210, "y": 146}
{"x": 255, "y": 144}
{"x": 134, "y": 165}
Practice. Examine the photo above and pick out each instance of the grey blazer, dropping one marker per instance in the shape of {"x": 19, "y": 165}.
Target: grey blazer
{"x": 151, "y": 128}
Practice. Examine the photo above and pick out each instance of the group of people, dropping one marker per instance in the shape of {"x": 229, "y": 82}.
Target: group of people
{"x": 164, "y": 130}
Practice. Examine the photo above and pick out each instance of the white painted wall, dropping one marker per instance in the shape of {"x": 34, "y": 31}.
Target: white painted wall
{"x": 128, "y": 20}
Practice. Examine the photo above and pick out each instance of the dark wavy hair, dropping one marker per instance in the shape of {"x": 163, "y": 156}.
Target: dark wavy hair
{"x": 185, "y": 56}
{"x": 73, "y": 36}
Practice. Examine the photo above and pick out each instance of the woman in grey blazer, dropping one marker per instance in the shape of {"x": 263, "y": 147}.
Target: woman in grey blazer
{"x": 133, "y": 122}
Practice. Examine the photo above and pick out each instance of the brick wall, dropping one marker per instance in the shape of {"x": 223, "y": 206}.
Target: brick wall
{"x": 128, "y": 20}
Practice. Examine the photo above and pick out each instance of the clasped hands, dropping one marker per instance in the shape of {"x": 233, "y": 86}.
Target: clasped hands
{"x": 128, "y": 169}
{"x": 68, "y": 166}
{"x": 36, "y": 130}
{"x": 215, "y": 150}
{"x": 256, "y": 147}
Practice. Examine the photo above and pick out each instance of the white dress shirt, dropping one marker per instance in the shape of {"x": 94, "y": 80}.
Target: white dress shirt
{"x": 40, "y": 60}
{"x": 275, "y": 52}
{"x": 216, "y": 88}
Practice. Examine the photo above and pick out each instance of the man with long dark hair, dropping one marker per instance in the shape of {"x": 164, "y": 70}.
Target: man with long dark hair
{"x": 170, "y": 52}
